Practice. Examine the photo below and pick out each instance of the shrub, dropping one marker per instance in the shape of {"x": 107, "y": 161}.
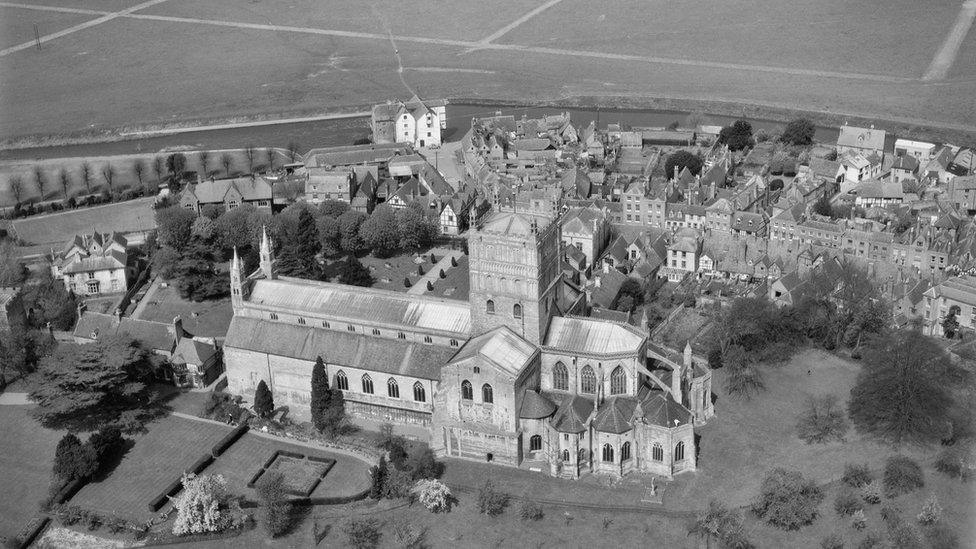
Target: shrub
{"x": 891, "y": 515}
{"x": 822, "y": 420}
{"x": 847, "y": 501}
{"x": 396, "y": 483}
{"x": 199, "y": 506}
{"x": 274, "y": 508}
{"x": 406, "y": 282}
{"x": 787, "y": 500}
{"x": 422, "y": 464}
{"x": 430, "y": 286}
{"x": 442, "y": 274}
{"x": 363, "y": 533}
{"x": 871, "y": 492}
{"x": 107, "y": 444}
{"x": 832, "y": 541}
{"x": 858, "y": 520}
{"x": 116, "y": 525}
{"x": 71, "y": 515}
{"x": 433, "y": 495}
{"x": 873, "y": 540}
{"x": 903, "y": 536}
{"x": 74, "y": 460}
{"x": 901, "y": 476}
{"x": 931, "y": 511}
{"x": 491, "y": 502}
{"x": 93, "y": 521}
{"x": 263, "y": 400}
{"x": 377, "y": 475}
{"x": 957, "y": 462}
{"x": 408, "y": 536}
{"x": 941, "y": 536}
{"x": 857, "y": 475}
{"x": 530, "y": 510}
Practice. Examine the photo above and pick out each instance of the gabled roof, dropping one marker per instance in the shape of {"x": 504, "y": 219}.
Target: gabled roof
{"x": 593, "y": 337}
{"x": 249, "y": 188}
{"x": 501, "y": 347}
{"x": 191, "y": 351}
{"x": 662, "y": 410}
{"x": 576, "y": 181}
{"x": 513, "y": 223}
{"x": 615, "y": 415}
{"x": 572, "y": 414}
{"x": 865, "y": 138}
{"x": 535, "y": 406}
{"x": 153, "y": 336}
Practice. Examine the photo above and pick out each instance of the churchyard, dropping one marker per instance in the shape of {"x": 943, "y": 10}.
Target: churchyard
{"x": 208, "y": 318}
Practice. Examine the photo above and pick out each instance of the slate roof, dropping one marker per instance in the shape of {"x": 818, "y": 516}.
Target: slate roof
{"x": 864, "y": 138}
{"x": 210, "y": 192}
{"x": 368, "y": 305}
{"x": 513, "y": 223}
{"x": 191, "y": 351}
{"x": 572, "y": 414}
{"x": 113, "y": 260}
{"x": 576, "y": 180}
{"x": 356, "y": 154}
{"x": 662, "y": 410}
{"x": 881, "y": 189}
{"x": 156, "y": 336}
{"x": 533, "y": 144}
{"x": 593, "y": 337}
{"x": 354, "y": 350}
{"x": 535, "y": 406}
{"x": 501, "y": 347}
{"x": 615, "y": 414}
{"x": 905, "y": 162}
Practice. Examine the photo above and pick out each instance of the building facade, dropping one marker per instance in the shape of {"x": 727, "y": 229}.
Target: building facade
{"x": 93, "y": 264}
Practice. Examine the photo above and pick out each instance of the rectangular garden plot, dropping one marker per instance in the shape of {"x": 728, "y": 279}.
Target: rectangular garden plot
{"x": 302, "y": 474}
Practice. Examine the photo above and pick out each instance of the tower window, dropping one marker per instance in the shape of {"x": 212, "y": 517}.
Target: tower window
{"x": 427, "y": 339}
{"x": 625, "y": 451}
{"x": 401, "y": 335}
{"x": 466, "y": 392}
{"x": 301, "y": 321}
{"x": 535, "y": 443}
{"x": 517, "y": 311}
{"x": 325, "y": 324}
{"x": 490, "y": 307}
{"x": 608, "y": 453}
{"x": 351, "y": 328}
{"x": 454, "y": 343}
{"x": 487, "y": 395}
{"x": 274, "y": 316}
{"x": 657, "y": 452}
{"x": 679, "y": 451}
{"x": 376, "y": 332}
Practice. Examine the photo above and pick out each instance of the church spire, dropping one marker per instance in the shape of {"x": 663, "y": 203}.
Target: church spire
{"x": 267, "y": 256}
{"x": 237, "y": 280}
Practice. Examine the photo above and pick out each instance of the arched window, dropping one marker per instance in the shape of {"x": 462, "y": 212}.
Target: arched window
{"x": 301, "y": 321}
{"x": 376, "y": 332}
{"x": 625, "y": 452}
{"x": 490, "y": 307}
{"x": 581, "y": 457}
{"x": 517, "y": 311}
{"x": 565, "y": 455}
{"x": 535, "y": 443}
{"x": 486, "y": 394}
{"x": 427, "y": 339}
{"x": 679, "y": 451}
{"x": 608, "y": 453}
{"x": 657, "y": 452}
{"x": 587, "y": 380}
{"x": 367, "y": 384}
{"x": 341, "y": 381}
{"x": 392, "y": 388}
{"x": 419, "y": 393}
{"x": 618, "y": 381}
{"x": 466, "y": 392}
{"x": 560, "y": 377}
{"x": 401, "y": 335}
{"x": 454, "y": 343}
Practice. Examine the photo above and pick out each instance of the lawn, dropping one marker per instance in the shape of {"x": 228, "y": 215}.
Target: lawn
{"x": 58, "y": 228}
{"x": 300, "y": 475}
{"x": 456, "y": 285}
{"x": 18, "y": 24}
{"x": 206, "y": 318}
{"x": 25, "y": 466}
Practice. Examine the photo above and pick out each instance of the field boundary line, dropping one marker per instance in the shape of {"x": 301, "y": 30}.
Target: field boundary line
{"x": 78, "y": 27}
{"x": 53, "y": 8}
{"x": 234, "y": 125}
{"x": 515, "y": 24}
{"x": 946, "y": 56}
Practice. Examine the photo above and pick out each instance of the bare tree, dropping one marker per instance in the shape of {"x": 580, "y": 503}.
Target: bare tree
{"x": 226, "y": 160}
{"x": 139, "y": 168}
{"x": 16, "y": 187}
{"x": 158, "y": 167}
{"x": 86, "y": 175}
{"x": 108, "y": 173}
{"x": 293, "y": 151}
{"x": 40, "y": 179}
{"x": 270, "y": 152}
{"x": 65, "y": 179}
{"x": 249, "y": 152}
{"x": 204, "y": 161}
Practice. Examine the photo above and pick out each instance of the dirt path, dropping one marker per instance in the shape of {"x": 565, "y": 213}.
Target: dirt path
{"x": 946, "y": 55}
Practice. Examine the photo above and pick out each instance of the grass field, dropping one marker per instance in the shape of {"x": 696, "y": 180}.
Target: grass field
{"x": 25, "y": 466}
{"x": 205, "y": 319}
{"x": 235, "y": 58}
{"x": 57, "y": 228}
{"x": 17, "y": 25}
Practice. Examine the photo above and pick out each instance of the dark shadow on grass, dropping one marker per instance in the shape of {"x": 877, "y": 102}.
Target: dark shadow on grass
{"x": 297, "y": 514}
{"x": 106, "y": 469}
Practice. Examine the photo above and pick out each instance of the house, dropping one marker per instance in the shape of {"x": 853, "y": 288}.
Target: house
{"x": 326, "y": 184}
{"x": 904, "y": 167}
{"x": 940, "y": 168}
{"x": 587, "y": 229}
{"x": 228, "y": 193}
{"x": 858, "y": 167}
{"x": 785, "y": 290}
{"x": 784, "y": 224}
{"x": 864, "y": 141}
{"x": 93, "y": 264}
{"x": 921, "y": 151}
{"x": 961, "y": 193}
{"x": 956, "y": 293}
{"x": 683, "y": 254}
{"x": 880, "y": 194}
{"x": 195, "y": 362}
{"x": 348, "y": 156}
{"x": 417, "y": 122}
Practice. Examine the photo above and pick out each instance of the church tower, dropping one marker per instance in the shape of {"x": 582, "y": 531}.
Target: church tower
{"x": 267, "y": 255}
{"x": 514, "y": 272}
{"x": 239, "y": 286}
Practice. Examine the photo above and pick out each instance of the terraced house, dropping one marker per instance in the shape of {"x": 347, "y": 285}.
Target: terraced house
{"x": 508, "y": 376}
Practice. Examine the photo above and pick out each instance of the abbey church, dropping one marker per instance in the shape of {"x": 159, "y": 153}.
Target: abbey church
{"x": 514, "y": 375}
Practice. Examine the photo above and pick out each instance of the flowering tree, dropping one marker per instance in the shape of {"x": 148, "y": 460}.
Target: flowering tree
{"x": 433, "y": 494}
{"x": 198, "y": 507}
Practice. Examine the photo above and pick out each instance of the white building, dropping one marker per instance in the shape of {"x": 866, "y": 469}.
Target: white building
{"x": 93, "y": 264}
{"x": 860, "y": 140}
{"x": 417, "y": 122}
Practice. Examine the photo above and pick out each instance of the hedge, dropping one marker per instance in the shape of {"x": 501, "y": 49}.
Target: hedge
{"x": 172, "y": 539}
{"x": 320, "y": 459}
{"x": 201, "y": 464}
{"x": 30, "y": 532}
{"x": 229, "y": 439}
{"x": 69, "y": 490}
{"x": 254, "y": 478}
{"x": 171, "y": 490}
{"x": 271, "y": 459}
{"x": 295, "y": 455}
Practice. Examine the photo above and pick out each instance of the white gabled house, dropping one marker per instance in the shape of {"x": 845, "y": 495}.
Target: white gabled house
{"x": 417, "y": 122}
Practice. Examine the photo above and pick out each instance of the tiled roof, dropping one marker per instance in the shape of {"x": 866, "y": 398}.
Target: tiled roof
{"x": 614, "y": 415}
{"x": 151, "y": 335}
{"x": 535, "y": 406}
{"x": 572, "y": 414}
{"x": 865, "y": 138}
{"x": 113, "y": 260}
{"x": 191, "y": 351}
{"x": 370, "y": 305}
{"x": 210, "y": 192}
{"x": 664, "y": 411}
{"x": 375, "y": 354}
{"x": 356, "y": 154}
{"x": 502, "y": 347}
{"x": 593, "y": 337}
{"x": 513, "y": 223}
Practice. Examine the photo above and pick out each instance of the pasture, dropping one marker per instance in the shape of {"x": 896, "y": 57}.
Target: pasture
{"x": 57, "y": 228}
{"x": 174, "y": 61}
{"x": 25, "y": 466}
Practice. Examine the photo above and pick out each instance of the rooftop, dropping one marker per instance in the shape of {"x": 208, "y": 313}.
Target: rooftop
{"x": 593, "y": 337}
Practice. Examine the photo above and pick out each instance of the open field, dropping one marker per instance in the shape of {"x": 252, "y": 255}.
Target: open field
{"x": 25, "y": 466}
{"x": 17, "y": 25}
{"x": 234, "y": 58}
{"x": 55, "y": 229}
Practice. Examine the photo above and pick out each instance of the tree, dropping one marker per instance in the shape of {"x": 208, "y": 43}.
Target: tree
{"x": 738, "y": 136}
{"x": 822, "y": 206}
{"x": 139, "y": 168}
{"x": 433, "y": 495}
{"x": 174, "y": 226}
{"x": 16, "y": 184}
{"x": 787, "y": 500}
{"x": 107, "y": 443}
{"x": 743, "y": 377}
{"x": 363, "y": 533}
{"x": 293, "y": 153}
{"x": 195, "y": 273}
{"x": 720, "y": 523}
{"x": 902, "y": 393}
{"x": 799, "y": 131}
{"x": 330, "y": 237}
{"x": 349, "y": 223}
{"x": 299, "y": 248}
{"x": 90, "y": 384}
{"x": 240, "y": 228}
{"x": 158, "y": 166}
{"x": 176, "y": 165}
{"x": 199, "y": 506}
{"x": 950, "y": 324}
{"x": 275, "y": 509}
{"x": 333, "y": 208}
{"x": 108, "y": 174}
{"x": 86, "y": 176}
{"x": 822, "y": 420}
{"x": 377, "y": 476}
{"x": 40, "y": 179}
{"x": 681, "y": 160}
{"x": 203, "y": 228}
{"x": 321, "y": 394}
{"x": 416, "y": 229}
{"x": 380, "y": 231}
{"x": 263, "y": 400}
{"x": 249, "y": 154}
{"x": 64, "y": 179}
{"x": 226, "y": 160}
{"x": 50, "y": 302}
{"x": 12, "y": 269}
{"x": 491, "y": 501}
{"x": 74, "y": 460}
{"x": 204, "y": 158}
{"x": 270, "y": 154}
{"x": 353, "y": 273}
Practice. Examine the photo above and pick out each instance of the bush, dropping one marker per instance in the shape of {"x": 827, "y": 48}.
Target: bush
{"x": 823, "y": 420}
{"x": 931, "y": 511}
{"x": 941, "y": 537}
{"x": 275, "y": 509}
{"x": 377, "y": 475}
{"x": 117, "y": 525}
{"x": 530, "y": 510}
{"x": 857, "y": 475}
{"x": 491, "y": 502}
{"x": 72, "y": 515}
{"x": 891, "y": 515}
{"x": 858, "y": 520}
{"x": 871, "y": 492}
{"x": 107, "y": 444}
{"x": 847, "y": 501}
{"x": 409, "y": 536}
{"x": 93, "y": 521}
{"x": 74, "y": 460}
{"x": 832, "y": 541}
{"x": 787, "y": 500}
{"x": 422, "y": 464}
{"x": 901, "y": 476}
{"x": 956, "y": 462}
{"x": 406, "y": 282}
{"x": 396, "y": 484}
{"x": 903, "y": 536}
{"x": 363, "y": 533}
{"x": 200, "y": 506}
{"x": 433, "y": 495}
{"x": 873, "y": 540}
